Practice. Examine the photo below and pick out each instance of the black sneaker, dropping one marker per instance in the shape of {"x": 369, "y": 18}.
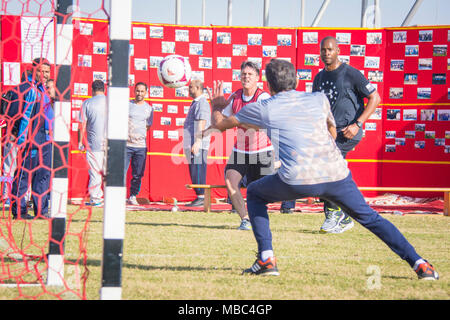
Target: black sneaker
{"x": 24, "y": 216}
{"x": 426, "y": 271}
{"x": 266, "y": 268}
{"x": 286, "y": 210}
{"x": 196, "y": 203}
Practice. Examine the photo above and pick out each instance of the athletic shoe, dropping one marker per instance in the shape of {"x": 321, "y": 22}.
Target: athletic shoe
{"x": 196, "y": 203}
{"x": 97, "y": 204}
{"x": 286, "y": 210}
{"x": 264, "y": 268}
{"x": 346, "y": 224}
{"x": 132, "y": 200}
{"x": 245, "y": 225}
{"x": 425, "y": 271}
{"x": 333, "y": 218}
{"x": 6, "y": 203}
{"x": 24, "y": 216}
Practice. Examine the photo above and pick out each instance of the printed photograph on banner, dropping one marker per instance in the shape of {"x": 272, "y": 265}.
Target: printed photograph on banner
{"x": 86, "y": 29}
{"x": 410, "y": 78}
{"x": 310, "y": 37}
{"x": 447, "y": 134}
{"x": 11, "y": 73}
{"x": 447, "y": 149}
{"x": 99, "y": 75}
{"x": 156, "y": 91}
{"x": 182, "y": 92}
{"x": 157, "y": 107}
{"x": 131, "y": 80}
{"x": 80, "y": 89}
{"x": 440, "y": 142}
{"x": 167, "y": 46}
{"x": 397, "y": 65}
{"x": 236, "y": 76}
{"x": 205, "y": 35}
{"x": 344, "y": 59}
{"x": 395, "y": 93}
{"x": 357, "y": 50}
{"x": 370, "y": 126}
{"x": 99, "y": 47}
{"x": 139, "y": 33}
{"x": 390, "y": 134}
{"x": 419, "y": 144}
{"x": 182, "y": 35}
{"x": 156, "y": 32}
{"x": 425, "y": 63}
{"x": 198, "y": 75}
{"x": 390, "y": 148}
{"x": 227, "y": 87}
{"x": 131, "y": 50}
{"x": 439, "y": 78}
{"x": 409, "y": 114}
{"x": 427, "y": 115}
{"x": 172, "y": 108}
{"x": 155, "y": 61}
{"x": 412, "y": 50}
{"x": 430, "y": 134}
{"x": 77, "y": 103}
{"x": 375, "y": 76}
{"x": 140, "y": 64}
{"x": 423, "y": 93}
{"x": 448, "y": 35}
{"x": 173, "y": 134}
{"x": 258, "y": 61}
{"x": 448, "y": 93}
{"x": 196, "y": 49}
{"x": 372, "y": 62}
{"x": 223, "y": 62}
{"x": 166, "y": 121}
{"x": 308, "y": 86}
{"x": 304, "y": 74}
{"x": 425, "y": 35}
{"x": 343, "y": 38}
{"x": 410, "y": 134}
{"x": 312, "y": 59}
{"x": 158, "y": 134}
{"x": 84, "y": 60}
{"x": 223, "y": 38}
{"x": 419, "y": 127}
{"x": 204, "y": 63}
{"x": 186, "y": 109}
{"x": 240, "y": 50}
{"x": 400, "y": 141}
{"x": 393, "y": 114}
{"x": 374, "y": 38}
{"x": 443, "y": 115}
{"x": 284, "y": 40}
{"x": 270, "y": 51}
{"x": 440, "y": 50}
{"x": 37, "y": 39}
{"x": 254, "y": 39}
{"x": 448, "y": 63}
{"x": 179, "y": 122}
{"x": 377, "y": 114}
{"x": 399, "y": 37}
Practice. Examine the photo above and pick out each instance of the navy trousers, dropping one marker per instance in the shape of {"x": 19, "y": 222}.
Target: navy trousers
{"x": 35, "y": 169}
{"x": 345, "y": 193}
{"x": 197, "y": 168}
{"x": 138, "y": 157}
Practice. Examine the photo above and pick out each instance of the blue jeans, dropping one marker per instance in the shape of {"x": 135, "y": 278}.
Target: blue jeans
{"x": 344, "y": 192}
{"x": 197, "y": 168}
{"x": 137, "y": 157}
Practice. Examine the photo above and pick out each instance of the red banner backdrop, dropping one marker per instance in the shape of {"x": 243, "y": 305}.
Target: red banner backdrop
{"x": 407, "y": 140}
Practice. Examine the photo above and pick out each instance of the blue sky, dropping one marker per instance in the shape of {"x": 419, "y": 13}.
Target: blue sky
{"x": 283, "y": 13}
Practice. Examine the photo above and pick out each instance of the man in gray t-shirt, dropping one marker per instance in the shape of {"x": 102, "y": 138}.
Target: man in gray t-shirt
{"x": 196, "y": 149}
{"x": 140, "y": 118}
{"x": 91, "y": 137}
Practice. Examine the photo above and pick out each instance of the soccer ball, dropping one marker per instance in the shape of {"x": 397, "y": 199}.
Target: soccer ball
{"x": 174, "y": 71}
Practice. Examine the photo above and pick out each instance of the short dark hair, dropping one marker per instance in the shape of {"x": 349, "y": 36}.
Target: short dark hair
{"x": 98, "y": 85}
{"x": 281, "y": 75}
{"x": 141, "y": 84}
{"x": 40, "y": 61}
{"x": 250, "y": 64}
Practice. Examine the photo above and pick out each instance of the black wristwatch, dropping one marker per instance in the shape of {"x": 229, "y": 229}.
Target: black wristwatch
{"x": 359, "y": 124}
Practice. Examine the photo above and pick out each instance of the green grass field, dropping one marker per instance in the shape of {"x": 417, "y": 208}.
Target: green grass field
{"x": 195, "y": 255}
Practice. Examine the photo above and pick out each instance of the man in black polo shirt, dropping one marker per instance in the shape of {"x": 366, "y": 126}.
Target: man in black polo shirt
{"x": 346, "y": 89}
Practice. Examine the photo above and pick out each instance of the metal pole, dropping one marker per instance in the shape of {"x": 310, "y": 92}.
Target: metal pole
{"x": 229, "y": 17}
{"x": 376, "y": 16}
{"x": 302, "y": 14}
{"x": 320, "y": 13}
{"x": 266, "y": 12}
{"x": 363, "y": 13}
{"x": 203, "y": 12}
{"x": 411, "y": 13}
{"x": 177, "y": 12}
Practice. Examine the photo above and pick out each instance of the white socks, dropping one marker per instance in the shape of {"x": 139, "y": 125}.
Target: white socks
{"x": 418, "y": 262}
{"x": 266, "y": 254}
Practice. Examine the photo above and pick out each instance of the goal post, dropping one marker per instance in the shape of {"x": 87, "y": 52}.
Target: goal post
{"x": 117, "y": 133}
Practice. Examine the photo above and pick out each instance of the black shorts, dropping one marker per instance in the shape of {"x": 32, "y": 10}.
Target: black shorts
{"x": 253, "y": 166}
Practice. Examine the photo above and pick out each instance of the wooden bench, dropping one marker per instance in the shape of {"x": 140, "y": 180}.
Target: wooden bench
{"x": 446, "y": 191}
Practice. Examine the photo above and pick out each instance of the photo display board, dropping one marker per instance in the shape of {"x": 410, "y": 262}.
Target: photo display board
{"x": 406, "y": 141}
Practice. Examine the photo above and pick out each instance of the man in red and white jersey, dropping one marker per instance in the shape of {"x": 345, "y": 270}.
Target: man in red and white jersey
{"x": 252, "y": 151}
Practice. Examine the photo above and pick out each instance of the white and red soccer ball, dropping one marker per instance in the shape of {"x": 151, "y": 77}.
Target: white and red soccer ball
{"x": 174, "y": 71}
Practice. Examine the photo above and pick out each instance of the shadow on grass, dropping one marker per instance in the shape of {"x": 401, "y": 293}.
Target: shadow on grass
{"x": 223, "y": 227}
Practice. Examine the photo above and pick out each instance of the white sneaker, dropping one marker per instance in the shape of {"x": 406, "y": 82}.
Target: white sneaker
{"x": 132, "y": 200}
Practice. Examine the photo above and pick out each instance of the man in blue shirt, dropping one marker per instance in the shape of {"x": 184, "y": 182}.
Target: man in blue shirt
{"x": 31, "y": 116}
{"x": 302, "y": 129}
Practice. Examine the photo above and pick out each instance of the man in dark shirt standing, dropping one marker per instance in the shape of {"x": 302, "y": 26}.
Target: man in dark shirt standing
{"x": 346, "y": 89}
